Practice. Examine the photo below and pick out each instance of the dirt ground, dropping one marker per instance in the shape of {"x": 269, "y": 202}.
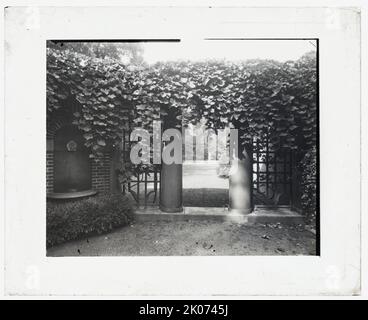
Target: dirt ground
{"x": 201, "y": 238}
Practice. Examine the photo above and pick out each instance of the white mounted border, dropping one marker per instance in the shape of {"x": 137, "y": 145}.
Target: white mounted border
{"x": 30, "y": 272}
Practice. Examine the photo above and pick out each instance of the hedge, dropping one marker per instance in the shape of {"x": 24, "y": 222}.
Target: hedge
{"x": 76, "y": 219}
{"x": 309, "y": 185}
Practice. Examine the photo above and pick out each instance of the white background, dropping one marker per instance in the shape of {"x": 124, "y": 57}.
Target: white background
{"x": 336, "y": 272}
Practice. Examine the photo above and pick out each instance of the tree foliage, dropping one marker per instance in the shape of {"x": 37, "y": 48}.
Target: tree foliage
{"x": 121, "y": 51}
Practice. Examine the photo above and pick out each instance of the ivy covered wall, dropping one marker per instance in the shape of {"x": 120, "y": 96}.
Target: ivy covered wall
{"x": 263, "y": 98}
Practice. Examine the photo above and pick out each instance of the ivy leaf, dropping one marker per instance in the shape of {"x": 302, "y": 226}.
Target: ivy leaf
{"x": 293, "y": 127}
{"x": 88, "y": 136}
{"x": 101, "y": 142}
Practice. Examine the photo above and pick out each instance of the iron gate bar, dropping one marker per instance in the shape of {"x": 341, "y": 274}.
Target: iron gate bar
{"x": 257, "y": 152}
{"x": 272, "y": 173}
{"x": 145, "y": 189}
{"x": 285, "y": 176}
{"x": 267, "y": 179}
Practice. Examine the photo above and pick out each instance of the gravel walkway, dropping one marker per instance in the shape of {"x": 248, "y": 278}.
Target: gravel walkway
{"x": 199, "y": 238}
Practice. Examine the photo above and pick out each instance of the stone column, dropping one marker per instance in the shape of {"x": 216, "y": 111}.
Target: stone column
{"x": 241, "y": 181}
{"x": 171, "y": 181}
{"x": 171, "y": 188}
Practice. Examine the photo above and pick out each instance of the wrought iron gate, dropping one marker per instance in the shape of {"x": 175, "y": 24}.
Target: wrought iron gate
{"x": 272, "y": 176}
{"x": 144, "y": 186}
{"x": 272, "y": 173}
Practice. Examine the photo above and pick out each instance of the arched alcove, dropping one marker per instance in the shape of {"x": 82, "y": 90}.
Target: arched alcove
{"x": 72, "y": 166}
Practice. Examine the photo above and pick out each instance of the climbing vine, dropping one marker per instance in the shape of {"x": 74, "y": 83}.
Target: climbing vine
{"x": 263, "y": 98}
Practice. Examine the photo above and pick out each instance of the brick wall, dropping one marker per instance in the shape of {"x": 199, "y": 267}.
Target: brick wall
{"x": 100, "y": 171}
{"x": 101, "y": 180}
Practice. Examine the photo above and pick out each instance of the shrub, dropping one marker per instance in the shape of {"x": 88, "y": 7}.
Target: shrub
{"x": 78, "y": 218}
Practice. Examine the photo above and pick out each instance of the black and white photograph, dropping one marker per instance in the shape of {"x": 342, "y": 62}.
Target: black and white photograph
{"x": 184, "y": 151}
{"x": 206, "y": 147}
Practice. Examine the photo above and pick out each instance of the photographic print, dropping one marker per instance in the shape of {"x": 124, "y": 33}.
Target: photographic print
{"x": 175, "y": 147}
{"x": 195, "y": 151}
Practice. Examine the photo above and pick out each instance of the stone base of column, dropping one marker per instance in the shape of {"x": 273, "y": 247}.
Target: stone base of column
{"x": 240, "y": 211}
{"x": 171, "y": 210}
